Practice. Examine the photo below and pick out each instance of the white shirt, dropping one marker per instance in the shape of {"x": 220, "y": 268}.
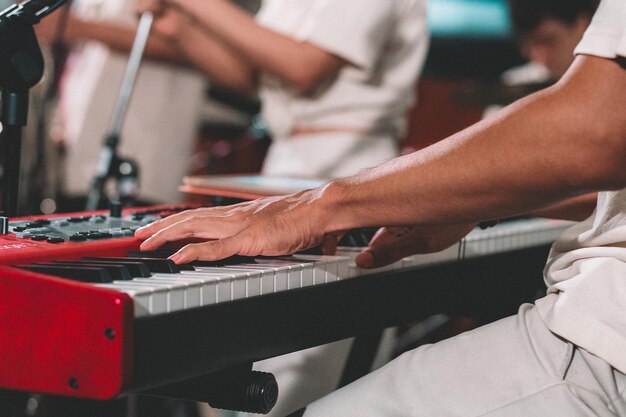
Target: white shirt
{"x": 586, "y": 271}
{"x": 363, "y": 109}
{"x": 384, "y": 41}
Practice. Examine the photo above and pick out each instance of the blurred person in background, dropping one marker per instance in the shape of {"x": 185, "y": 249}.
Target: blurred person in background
{"x": 335, "y": 79}
{"x": 547, "y": 32}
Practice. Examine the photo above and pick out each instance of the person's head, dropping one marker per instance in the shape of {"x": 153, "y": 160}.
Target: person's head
{"x": 549, "y": 30}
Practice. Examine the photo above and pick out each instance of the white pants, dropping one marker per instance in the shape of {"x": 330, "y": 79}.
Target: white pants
{"x": 511, "y": 368}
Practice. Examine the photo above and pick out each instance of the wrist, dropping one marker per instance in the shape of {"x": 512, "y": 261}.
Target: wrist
{"x": 332, "y": 207}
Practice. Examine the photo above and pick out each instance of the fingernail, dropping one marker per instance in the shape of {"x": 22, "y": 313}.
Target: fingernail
{"x": 177, "y": 258}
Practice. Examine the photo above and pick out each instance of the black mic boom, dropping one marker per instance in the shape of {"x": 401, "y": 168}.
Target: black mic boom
{"x": 31, "y": 11}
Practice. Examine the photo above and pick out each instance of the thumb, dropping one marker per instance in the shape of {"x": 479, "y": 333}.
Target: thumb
{"x": 378, "y": 256}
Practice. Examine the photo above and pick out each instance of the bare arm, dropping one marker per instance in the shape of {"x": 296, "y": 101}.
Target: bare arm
{"x": 557, "y": 144}
{"x": 117, "y": 36}
{"x": 215, "y": 59}
{"x": 301, "y": 64}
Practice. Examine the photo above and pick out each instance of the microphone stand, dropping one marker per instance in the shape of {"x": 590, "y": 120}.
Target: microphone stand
{"x": 110, "y": 165}
{"x": 37, "y": 179}
{"x": 21, "y": 67}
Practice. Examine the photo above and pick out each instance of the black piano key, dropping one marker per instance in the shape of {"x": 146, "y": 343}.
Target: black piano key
{"x": 86, "y": 274}
{"x": 117, "y": 272}
{"x": 158, "y": 253}
{"x": 136, "y": 269}
{"x": 358, "y": 237}
{"x": 162, "y": 254}
{"x": 166, "y": 253}
{"x": 155, "y": 265}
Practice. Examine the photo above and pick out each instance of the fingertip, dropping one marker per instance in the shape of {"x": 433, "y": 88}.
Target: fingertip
{"x": 180, "y": 258}
{"x": 142, "y": 232}
{"x": 365, "y": 260}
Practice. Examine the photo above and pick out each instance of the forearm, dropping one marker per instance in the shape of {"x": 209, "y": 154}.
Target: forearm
{"x": 539, "y": 151}
{"x": 120, "y": 38}
{"x": 219, "y": 63}
{"x": 299, "y": 63}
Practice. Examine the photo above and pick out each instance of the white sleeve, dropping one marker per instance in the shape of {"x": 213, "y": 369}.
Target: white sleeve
{"x": 354, "y": 30}
{"x": 606, "y": 36}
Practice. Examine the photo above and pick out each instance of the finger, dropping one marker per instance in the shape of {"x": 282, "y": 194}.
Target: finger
{"x": 387, "y": 234}
{"x": 207, "y": 251}
{"x": 330, "y": 242}
{"x": 154, "y": 227}
{"x": 177, "y": 231}
{"x": 193, "y": 227}
{"x": 383, "y": 253}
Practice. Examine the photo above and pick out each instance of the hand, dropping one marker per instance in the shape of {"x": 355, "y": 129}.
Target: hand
{"x": 170, "y": 24}
{"x": 156, "y": 7}
{"x": 268, "y": 226}
{"x": 391, "y": 244}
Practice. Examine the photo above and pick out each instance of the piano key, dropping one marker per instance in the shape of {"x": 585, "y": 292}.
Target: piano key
{"x": 117, "y": 272}
{"x": 136, "y": 269}
{"x": 157, "y": 296}
{"x": 92, "y": 275}
{"x": 300, "y": 274}
{"x": 222, "y": 283}
{"x": 153, "y": 264}
{"x": 208, "y": 286}
{"x": 307, "y": 270}
{"x": 334, "y": 267}
{"x": 174, "y": 295}
{"x": 240, "y": 286}
{"x": 166, "y": 253}
{"x": 182, "y": 294}
{"x": 273, "y": 280}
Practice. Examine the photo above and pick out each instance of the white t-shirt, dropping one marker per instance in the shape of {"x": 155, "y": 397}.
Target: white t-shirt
{"x": 385, "y": 44}
{"x": 586, "y": 271}
{"x": 161, "y": 124}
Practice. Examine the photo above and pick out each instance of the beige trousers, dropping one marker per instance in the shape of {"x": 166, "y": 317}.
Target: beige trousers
{"x": 511, "y": 368}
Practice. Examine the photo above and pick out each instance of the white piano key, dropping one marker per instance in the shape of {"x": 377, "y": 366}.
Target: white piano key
{"x": 274, "y": 279}
{"x": 193, "y": 288}
{"x": 294, "y": 273}
{"x": 221, "y": 282}
{"x": 352, "y": 271}
{"x": 209, "y": 286}
{"x": 333, "y": 266}
{"x": 307, "y": 278}
{"x": 253, "y": 281}
{"x": 175, "y": 295}
{"x": 320, "y": 265}
{"x": 237, "y": 280}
